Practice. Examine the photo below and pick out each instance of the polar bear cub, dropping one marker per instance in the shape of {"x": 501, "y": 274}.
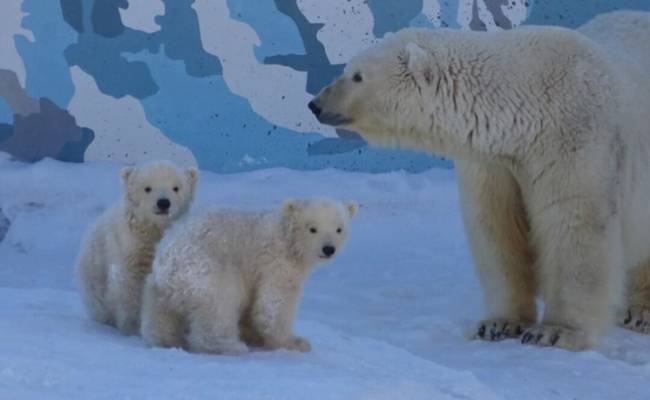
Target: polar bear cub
{"x": 118, "y": 250}
{"x": 225, "y": 280}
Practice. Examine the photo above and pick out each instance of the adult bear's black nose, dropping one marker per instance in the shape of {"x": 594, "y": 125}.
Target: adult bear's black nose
{"x": 329, "y": 250}
{"x": 163, "y": 204}
{"x": 314, "y": 108}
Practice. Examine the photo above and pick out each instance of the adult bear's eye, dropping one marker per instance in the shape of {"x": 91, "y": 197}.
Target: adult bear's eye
{"x": 312, "y": 230}
{"x": 339, "y": 230}
{"x": 147, "y": 189}
{"x": 357, "y": 77}
{"x": 176, "y": 189}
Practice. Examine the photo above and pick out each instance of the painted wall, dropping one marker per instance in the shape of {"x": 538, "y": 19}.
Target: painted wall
{"x": 221, "y": 83}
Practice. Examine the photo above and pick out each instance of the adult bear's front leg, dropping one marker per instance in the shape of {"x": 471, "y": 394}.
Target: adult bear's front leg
{"x": 636, "y": 315}
{"x": 575, "y": 226}
{"x": 497, "y": 230}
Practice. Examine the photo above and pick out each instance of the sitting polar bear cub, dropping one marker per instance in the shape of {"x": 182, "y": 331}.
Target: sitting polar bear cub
{"x": 117, "y": 252}
{"x": 549, "y": 131}
{"x": 227, "y": 279}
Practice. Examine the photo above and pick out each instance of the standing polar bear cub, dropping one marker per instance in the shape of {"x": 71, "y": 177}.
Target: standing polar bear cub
{"x": 225, "y": 279}
{"x": 117, "y": 251}
{"x": 549, "y": 131}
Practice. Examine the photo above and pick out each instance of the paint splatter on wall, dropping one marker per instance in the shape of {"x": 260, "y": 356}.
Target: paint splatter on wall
{"x": 221, "y": 83}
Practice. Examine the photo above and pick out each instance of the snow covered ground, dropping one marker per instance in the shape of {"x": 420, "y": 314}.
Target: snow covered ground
{"x": 387, "y": 319}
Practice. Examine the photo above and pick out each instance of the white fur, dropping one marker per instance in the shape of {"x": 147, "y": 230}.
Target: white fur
{"x": 227, "y": 279}
{"x": 117, "y": 251}
{"x": 549, "y": 131}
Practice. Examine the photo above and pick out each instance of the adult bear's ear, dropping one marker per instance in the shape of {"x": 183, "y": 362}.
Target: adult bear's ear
{"x": 125, "y": 174}
{"x": 352, "y": 208}
{"x": 416, "y": 58}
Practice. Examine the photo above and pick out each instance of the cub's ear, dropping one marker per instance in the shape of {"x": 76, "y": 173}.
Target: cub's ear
{"x": 192, "y": 174}
{"x": 289, "y": 207}
{"x": 352, "y": 208}
{"x": 416, "y": 57}
{"x": 125, "y": 174}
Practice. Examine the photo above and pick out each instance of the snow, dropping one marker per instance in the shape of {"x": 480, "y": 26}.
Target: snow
{"x": 387, "y": 319}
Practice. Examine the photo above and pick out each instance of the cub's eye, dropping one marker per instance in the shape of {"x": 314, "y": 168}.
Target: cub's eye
{"x": 313, "y": 230}
{"x": 147, "y": 189}
{"x": 339, "y": 230}
{"x": 357, "y": 77}
{"x": 176, "y": 189}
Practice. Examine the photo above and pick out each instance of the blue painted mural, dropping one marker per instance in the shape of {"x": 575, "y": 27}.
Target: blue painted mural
{"x": 220, "y": 83}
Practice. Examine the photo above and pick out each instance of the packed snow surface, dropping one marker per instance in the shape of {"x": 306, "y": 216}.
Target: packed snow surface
{"x": 387, "y": 319}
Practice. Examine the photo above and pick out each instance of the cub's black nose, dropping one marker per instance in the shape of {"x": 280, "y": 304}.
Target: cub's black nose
{"x": 163, "y": 204}
{"x": 329, "y": 250}
{"x": 314, "y": 108}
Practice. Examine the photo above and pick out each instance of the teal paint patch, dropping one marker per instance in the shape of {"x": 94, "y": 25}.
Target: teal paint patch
{"x": 391, "y": 16}
{"x": 47, "y": 72}
{"x": 277, "y": 32}
{"x": 449, "y": 13}
{"x": 421, "y": 21}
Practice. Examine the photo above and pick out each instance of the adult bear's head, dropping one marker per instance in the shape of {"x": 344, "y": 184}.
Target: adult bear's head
{"x": 418, "y": 88}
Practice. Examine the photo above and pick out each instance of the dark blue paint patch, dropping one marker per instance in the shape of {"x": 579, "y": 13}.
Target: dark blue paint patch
{"x": 391, "y": 16}
{"x": 319, "y": 70}
{"x": 103, "y": 59}
{"x": 44, "y": 134}
{"x": 475, "y": 23}
{"x": 106, "y": 19}
{"x": 47, "y": 73}
{"x": 277, "y": 32}
{"x": 73, "y": 151}
{"x": 573, "y": 13}
{"x": 6, "y": 131}
{"x": 495, "y": 7}
{"x": 6, "y": 114}
{"x": 5, "y": 223}
{"x": 330, "y": 146}
{"x": 182, "y": 39}
{"x": 227, "y": 136}
{"x": 72, "y": 11}
{"x": 100, "y": 50}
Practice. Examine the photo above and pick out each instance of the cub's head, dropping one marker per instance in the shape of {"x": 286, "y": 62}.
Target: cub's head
{"x": 158, "y": 191}
{"x": 377, "y": 94}
{"x": 317, "y": 228}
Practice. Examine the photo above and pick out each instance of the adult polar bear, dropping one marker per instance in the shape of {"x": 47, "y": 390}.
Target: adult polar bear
{"x": 550, "y": 132}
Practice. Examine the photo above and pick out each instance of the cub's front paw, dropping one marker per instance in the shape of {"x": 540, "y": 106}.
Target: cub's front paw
{"x": 223, "y": 347}
{"x": 128, "y": 327}
{"x": 499, "y": 329}
{"x": 557, "y": 336}
{"x": 298, "y": 343}
{"x": 635, "y": 318}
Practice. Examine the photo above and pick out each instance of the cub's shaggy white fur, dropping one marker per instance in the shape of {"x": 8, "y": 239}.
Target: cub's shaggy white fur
{"x": 226, "y": 279}
{"x": 117, "y": 251}
{"x": 549, "y": 131}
